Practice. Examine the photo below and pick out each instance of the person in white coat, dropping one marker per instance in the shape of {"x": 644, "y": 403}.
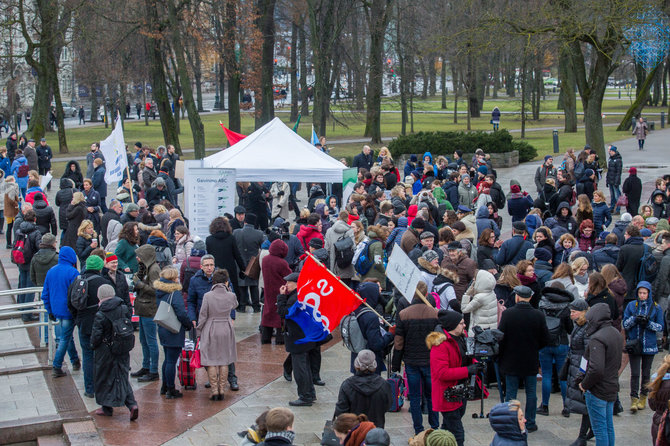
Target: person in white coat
{"x": 280, "y": 192}
{"x": 480, "y": 300}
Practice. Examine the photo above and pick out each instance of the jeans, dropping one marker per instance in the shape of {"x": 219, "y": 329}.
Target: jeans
{"x": 64, "y": 331}
{"x": 640, "y": 144}
{"x": 601, "y": 413}
{"x": 23, "y": 191}
{"x": 638, "y": 362}
{"x": 512, "y": 387}
{"x": 549, "y": 356}
{"x": 615, "y": 193}
{"x": 88, "y": 364}
{"x": 418, "y": 382}
{"x": 169, "y": 368}
{"x": 453, "y": 422}
{"x": 149, "y": 344}
{"x": 25, "y": 282}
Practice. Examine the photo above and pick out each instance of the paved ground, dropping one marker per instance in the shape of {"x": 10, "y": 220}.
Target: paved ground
{"x": 196, "y": 420}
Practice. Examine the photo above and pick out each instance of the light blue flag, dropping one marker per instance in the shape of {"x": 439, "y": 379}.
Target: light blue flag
{"x": 315, "y": 139}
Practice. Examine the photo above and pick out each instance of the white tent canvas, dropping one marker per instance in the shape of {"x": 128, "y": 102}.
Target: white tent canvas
{"x": 276, "y": 153}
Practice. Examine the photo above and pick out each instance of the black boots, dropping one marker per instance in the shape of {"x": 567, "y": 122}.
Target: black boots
{"x": 172, "y": 393}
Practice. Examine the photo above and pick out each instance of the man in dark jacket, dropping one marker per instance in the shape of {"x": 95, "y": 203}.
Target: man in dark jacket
{"x": 546, "y": 170}
{"x": 601, "y": 380}
{"x": 157, "y": 193}
{"x": 32, "y": 238}
{"x": 300, "y": 353}
{"x": 84, "y": 319}
{"x": 369, "y": 323}
{"x": 113, "y": 213}
{"x": 99, "y": 183}
{"x": 44, "y": 259}
{"x": 414, "y": 324}
{"x": 514, "y": 249}
{"x": 613, "y": 179}
{"x": 451, "y": 189}
{"x": 31, "y": 155}
{"x": 45, "y": 218}
{"x": 364, "y": 159}
{"x": 629, "y": 259}
{"x": 525, "y": 330}
{"x": 249, "y": 241}
{"x": 173, "y": 190}
{"x": 44, "y": 155}
{"x": 367, "y": 392}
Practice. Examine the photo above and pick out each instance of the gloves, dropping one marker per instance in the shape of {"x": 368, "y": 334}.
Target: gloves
{"x": 642, "y": 321}
{"x": 52, "y": 317}
{"x": 242, "y": 275}
{"x": 475, "y": 368}
{"x": 281, "y": 193}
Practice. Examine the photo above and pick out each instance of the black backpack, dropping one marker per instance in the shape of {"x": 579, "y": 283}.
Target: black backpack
{"x": 648, "y": 266}
{"x": 123, "y": 336}
{"x": 344, "y": 251}
{"x": 77, "y": 293}
{"x": 555, "y": 326}
{"x": 188, "y": 274}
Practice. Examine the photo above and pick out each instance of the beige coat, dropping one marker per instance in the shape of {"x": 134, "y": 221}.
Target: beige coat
{"x": 215, "y": 327}
{"x": 280, "y": 202}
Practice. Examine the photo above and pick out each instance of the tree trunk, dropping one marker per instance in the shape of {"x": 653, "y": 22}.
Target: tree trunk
{"x": 265, "y": 110}
{"x": 197, "y": 75}
{"x": 524, "y": 85}
{"x": 664, "y": 101}
{"x": 400, "y": 51}
{"x": 359, "y": 75}
{"x": 455, "y": 85}
{"x": 378, "y": 14}
{"x": 443, "y": 80}
{"x": 636, "y": 107}
{"x": 424, "y": 77}
{"x": 432, "y": 76}
{"x": 232, "y": 69}
{"x": 304, "y": 93}
{"x": 293, "y": 69}
{"x": 471, "y": 89}
{"x": 567, "y": 95}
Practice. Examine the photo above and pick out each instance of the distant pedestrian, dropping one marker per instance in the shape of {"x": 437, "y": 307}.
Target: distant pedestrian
{"x": 613, "y": 179}
{"x": 18, "y": 122}
{"x": 632, "y": 187}
{"x": 82, "y": 115}
{"x": 495, "y": 118}
{"x": 641, "y": 130}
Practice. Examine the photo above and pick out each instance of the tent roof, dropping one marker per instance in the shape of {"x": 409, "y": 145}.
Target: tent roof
{"x": 274, "y": 152}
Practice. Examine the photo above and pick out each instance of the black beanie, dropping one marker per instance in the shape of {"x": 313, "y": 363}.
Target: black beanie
{"x": 449, "y": 319}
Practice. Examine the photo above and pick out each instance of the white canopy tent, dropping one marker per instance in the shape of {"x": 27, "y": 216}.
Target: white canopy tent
{"x": 276, "y": 153}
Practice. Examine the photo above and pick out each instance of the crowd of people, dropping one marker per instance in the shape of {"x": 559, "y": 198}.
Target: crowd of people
{"x": 570, "y": 283}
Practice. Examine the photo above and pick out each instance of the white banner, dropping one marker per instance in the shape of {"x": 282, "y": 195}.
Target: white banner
{"x": 44, "y": 180}
{"x": 403, "y": 273}
{"x": 210, "y": 192}
{"x": 114, "y": 150}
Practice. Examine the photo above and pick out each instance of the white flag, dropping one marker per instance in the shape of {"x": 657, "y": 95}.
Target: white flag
{"x": 114, "y": 150}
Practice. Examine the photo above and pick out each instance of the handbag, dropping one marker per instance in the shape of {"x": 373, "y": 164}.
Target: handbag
{"x": 622, "y": 201}
{"x": 195, "y": 358}
{"x": 253, "y": 269}
{"x": 633, "y": 346}
{"x": 166, "y": 317}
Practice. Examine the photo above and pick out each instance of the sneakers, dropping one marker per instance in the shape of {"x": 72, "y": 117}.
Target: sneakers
{"x": 543, "y": 410}
{"x": 148, "y": 378}
{"x": 140, "y": 372}
{"x": 76, "y": 365}
{"x": 233, "y": 384}
{"x": 57, "y": 373}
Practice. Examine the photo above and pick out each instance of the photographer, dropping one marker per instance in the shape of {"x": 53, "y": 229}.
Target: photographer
{"x": 526, "y": 332}
{"x": 448, "y": 366}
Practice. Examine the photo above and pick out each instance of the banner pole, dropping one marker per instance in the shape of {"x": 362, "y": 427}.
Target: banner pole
{"x": 355, "y": 293}
{"x": 132, "y": 200}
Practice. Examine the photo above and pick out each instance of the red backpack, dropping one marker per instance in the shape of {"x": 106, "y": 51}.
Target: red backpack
{"x": 19, "y": 249}
{"x": 23, "y": 171}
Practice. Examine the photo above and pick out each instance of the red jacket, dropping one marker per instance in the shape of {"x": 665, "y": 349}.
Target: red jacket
{"x": 30, "y": 198}
{"x": 445, "y": 369}
{"x": 307, "y": 233}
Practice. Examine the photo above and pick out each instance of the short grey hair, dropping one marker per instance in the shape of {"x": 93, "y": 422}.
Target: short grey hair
{"x": 206, "y": 257}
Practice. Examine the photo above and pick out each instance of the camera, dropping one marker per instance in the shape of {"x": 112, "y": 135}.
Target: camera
{"x": 461, "y": 392}
{"x": 484, "y": 344}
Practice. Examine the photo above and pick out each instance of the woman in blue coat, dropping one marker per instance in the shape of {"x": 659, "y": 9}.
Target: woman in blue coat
{"x": 168, "y": 289}
{"x": 642, "y": 319}
{"x": 602, "y": 217}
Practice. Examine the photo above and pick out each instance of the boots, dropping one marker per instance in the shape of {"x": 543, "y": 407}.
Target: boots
{"x": 223, "y": 372}
{"x": 173, "y": 393}
{"x": 2, "y": 224}
{"x": 579, "y": 442}
{"x": 633, "y": 404}
{"x": 9, "y": 234}
{"x": 213, "y": 374}
{"x": 642, "y": 402}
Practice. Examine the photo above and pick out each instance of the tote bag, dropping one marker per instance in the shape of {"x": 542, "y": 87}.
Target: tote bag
{"x": 166, "y": 317}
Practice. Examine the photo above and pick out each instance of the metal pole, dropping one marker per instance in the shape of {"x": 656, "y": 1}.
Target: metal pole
{"x": 555, "y": 138}
{"x": 51, "y": 340}
{"x": 662, "y": 119}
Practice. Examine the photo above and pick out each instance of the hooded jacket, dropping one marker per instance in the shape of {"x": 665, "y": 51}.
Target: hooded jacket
{"x": 574, "y": 400}
{"x": 647, "y": 308}
{"x": 63, "y": 200}
{"x": 370, "y": 325}
{"x": 32, "y": 243}
{"x": 554, "y": 303}
{"x": 339, "y": 231}
{"x": 396, "y": 234}
{"x": 307, "y": 233}
{"x": 366, "y": 393}
{"x": 602, "y": 217}
{"x": 57, "y": 282}
{"x": 632, "y": 187}
{"x": 606, "y": 255}
{"x": 513, "y": 250}
{"x": 481, "y": 301}
{"x": 505, "y": 423}
{"x": 413, "y": 325}
{"x": 170, "y": 292}
{"x": 451, "y": 192}
{"x": 274, "y": 268}
{"x": 145, "y": 294}
{"x": 376, "y": 252}
{"x": 226, "y": 254}
{"x": 446, "y": 369}
{"x": 660, "y": 210}
{"x": 18, "y": 162}
{"x": 620, "y": 229}
{"x": 42, "y": 261}
{"x": 568, "y": 223}
{"x": 518, "y": 205}
{"x": 614, "y": 168}
{"x": 603, "y": 354}
{"x": 467, "y": 194}
{"x": 45, "y": 217}
{"x": 483, "y": 221}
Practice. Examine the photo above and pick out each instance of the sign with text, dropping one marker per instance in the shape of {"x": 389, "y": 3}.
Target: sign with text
{"x": 403, "y": 273}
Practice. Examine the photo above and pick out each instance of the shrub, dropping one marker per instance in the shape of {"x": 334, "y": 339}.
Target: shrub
{"x": 445, "y": 143}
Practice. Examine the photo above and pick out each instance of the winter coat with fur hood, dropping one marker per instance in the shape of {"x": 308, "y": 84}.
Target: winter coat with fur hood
{"x": 481, "y": 301}
{"x": 446, "y": 369}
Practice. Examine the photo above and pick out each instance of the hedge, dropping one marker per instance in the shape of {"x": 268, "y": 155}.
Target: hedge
{"x": 445, "y": 143}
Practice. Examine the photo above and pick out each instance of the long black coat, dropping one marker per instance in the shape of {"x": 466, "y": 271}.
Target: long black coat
{"x": 575, "y": 397}
{"x": 111, "y": 371}
{"x": 632, "y": 187}
{"x": 63, "y": 200}
{"x": 628, "y": 263}
{"x": 226, "y": 255}
{"x": 75, "y": 215}
{"x": 526, "y": 333}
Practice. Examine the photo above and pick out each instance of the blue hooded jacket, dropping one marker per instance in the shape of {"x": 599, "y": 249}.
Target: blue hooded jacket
{"x": 655, "y": 325}
{"x": 18, "y": 162}
{"x": 483, "y": 221}
{"x": 505, "y": 423}
{"x": 431, "y": 162}
{"x": 396, "y": 235}
{"x": 57, "y": 282}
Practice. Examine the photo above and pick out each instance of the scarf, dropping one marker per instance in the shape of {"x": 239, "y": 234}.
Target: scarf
{"x": 525, "y": 280}
{"x": 289, "y": 435}
{"x": 583, "y": 280}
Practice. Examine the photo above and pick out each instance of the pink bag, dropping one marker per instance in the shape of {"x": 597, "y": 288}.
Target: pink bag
{"x": 622, "y": 201}
{"x": 195, "y": 359}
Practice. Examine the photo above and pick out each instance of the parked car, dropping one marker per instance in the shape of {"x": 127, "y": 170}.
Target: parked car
{"x": 68, "y": 110}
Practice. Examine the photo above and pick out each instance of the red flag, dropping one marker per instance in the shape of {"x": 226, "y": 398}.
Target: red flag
{"x": 233, "y": 137}
{"x": 320, "y": 289}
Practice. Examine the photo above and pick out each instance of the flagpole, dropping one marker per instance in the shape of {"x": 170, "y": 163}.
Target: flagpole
{"x": 355, "y": 293}
{"x": 132, "y": 200}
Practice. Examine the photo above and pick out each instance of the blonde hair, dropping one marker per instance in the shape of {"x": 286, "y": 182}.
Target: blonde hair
{"x": 10, "y": 179}
{"x": 583, "y": 203}
{"x": 610, "y": 273}
{"x": 78, "y": 197}
{"x": 81, "y": 232}
{"x": 600, "y": 194}
{"x": 33, "y": 175}
{"x": 508, "y": 276}
{"x": 174, "y": 214}
{"x": 159, "y": 209}
{"x": 304, "y": 213}
{"x": 577, "y": 264}
{"x": 514, "y": 406}
{"x": 550, "y": 181}
{"x": 654, "y": 385}
{"x": 385, "y": 153}
{"x": 170, "y": 273}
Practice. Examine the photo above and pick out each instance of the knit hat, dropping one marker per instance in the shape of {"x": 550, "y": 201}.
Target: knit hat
{"x": 426, "y": 234}
{"x": 416, "y": 173}
{"x": 449, "y": 319}
{"x": 429, "y": 255}
{"x": 578, "y": 305}
{"x": 452, "y": 246}
{"x": 645, "y": 232}
{"x": 48, "y": 239}
{"x": 483, "y": 170}
{"x": 418, "y": 223}
{"x": 377, "y": 437}
{"x": 398, "y": 209}
{"x": 409, "y": 179}
{"x": 138, "y": 145}
{"x": 365, "y": 361}
{"x": 105, "y": 291}
{"x": 520, "y": 226}
{"x": 515, "y": 188}
{"x": 38, "y": 197}
{"x": 588, "y": 173}
{"x": 240, "y": 210}
{"x": 199, "y": 248}
{"x": 441, "y": 437}
{"x": 94, "y": 263}
{"x": 489, "y": 264}
{"x": 132, "y": 207}
{"x": 632, "y": 170}
{"x": 626, "y": 217}
{"x": 613, "y": 148}
{"x": 111, "y": 258}
{"x": 479, "y": 151}
{"x": 413, "y": 158}
{"x": 316, "y": 243}
{"x": 546, "y": 157}
{"x": 523, "y": 291}
{"x": 651, "y": 221}
{"x": 542, "y": 254}
{"x": 463, "y": 209}
{"x": 458, "y": 225}
{"x": 250, "y": 219}
{"x": 159, "y": 181}
{"x": 465, "y": 175}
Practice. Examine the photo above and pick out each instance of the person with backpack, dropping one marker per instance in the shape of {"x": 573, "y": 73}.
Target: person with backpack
{"x": 339, "y": 241}
{"x": 554, "y": 305}
{"x": 20, "y": 170}
{"x": 630, "y": 259}
{"x": 376, "y": 257}
{"x": 546, "y": 170}
{"x": 112, "y": 339}
{"x": 414, "y": 323}
{"x": 26, "y": 245}
{"x": 45, "y": 259}
{"x": 160, "y": 243}
{"x": 147, "y": 273}
{"x": 83, "y": 305}
{"x": 642, "y": 320}
{"x": 55, "y": 297}
{"x": 366, "y": 392}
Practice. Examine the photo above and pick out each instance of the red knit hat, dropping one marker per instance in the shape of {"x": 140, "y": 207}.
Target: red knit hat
{"x": 632, "y": 170}
{"x": 111, "y": 258}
